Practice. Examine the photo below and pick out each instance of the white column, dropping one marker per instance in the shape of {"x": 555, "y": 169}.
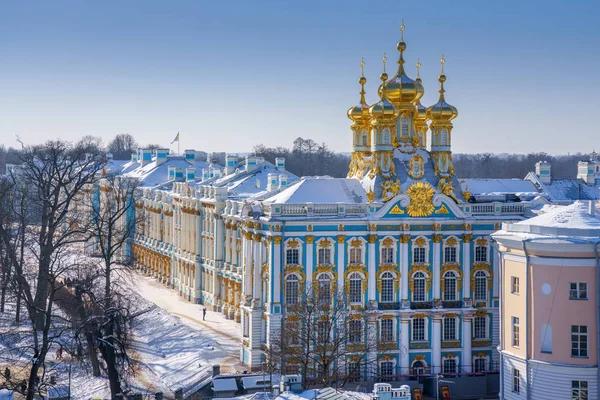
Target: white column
{"x": 466, "y": 281}
{"x": 436, "y": 266}
{"x": 310, "y": 248}
{"x": 198, "y": 244}
{"x": 340, "y": 261}
{"x": 371, "y": 268}
{"x": 234, "y": 244}
{"x": 403, "y": 254}
{"x": 404, "y": 346}
{"x": 436, "y": 344}
{"x": 466, "y": 343}
{"x": 276, "y": 270}
{"x": 495, "y": 271}
{"x": 219, "y": 228}
{"x": 257, "y": 262}
{"x": 247, "y": 263}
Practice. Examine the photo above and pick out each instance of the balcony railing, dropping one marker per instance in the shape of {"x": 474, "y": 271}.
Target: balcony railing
{"x": 452, "y": 304}
{"x": 421, "y": 305}
{"x": 389, "y": 306}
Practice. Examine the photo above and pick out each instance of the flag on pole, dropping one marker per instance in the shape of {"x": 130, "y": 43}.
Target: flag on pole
{"x": 176, "y": 138}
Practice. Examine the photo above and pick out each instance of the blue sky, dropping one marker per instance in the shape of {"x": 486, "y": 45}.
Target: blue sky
{"x": 230, "y": 75}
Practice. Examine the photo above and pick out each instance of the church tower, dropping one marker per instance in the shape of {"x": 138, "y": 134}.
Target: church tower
{"x": 441, "y": 114}
{"x": 361, "y": 136}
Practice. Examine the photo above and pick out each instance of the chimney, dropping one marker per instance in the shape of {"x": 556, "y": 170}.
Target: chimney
{"x": 179, "y": 174}
{"x": 205, "y": 175}
{"x": 230, "y": 164}
{"x": 271, "y": 182}
{"x": 283, "y": 181}
{"x": 190, "y": 155}
{"x": 190, "y": 174}
{"x": 251, "y": 163}
{"x": 592, "y": 208}
{"x": 280, "y": 164}
{"x": 145, "y": 156}
{"x": 586, "y": 172}
{"x": 543, "y": 170}
{"x": 134, "y": 157}
{"x": 171, "y": 172}
{"x": 161, "y": 156}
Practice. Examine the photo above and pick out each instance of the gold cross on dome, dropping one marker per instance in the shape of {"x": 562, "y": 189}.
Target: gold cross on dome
{"x": 418, "y": 67}
{"x": 443, "y": 61}
{"x": 402, "y": 31}
{"x": 362, "y": 65}
{"x": 384, "y": 59}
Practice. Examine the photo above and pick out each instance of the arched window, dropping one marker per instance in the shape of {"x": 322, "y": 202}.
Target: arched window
{"x": 387, "y": 287}
{"x": 355, "y": 331}
{"x": 481, "y": 288}
{"x": 355, "y": 287}
{"x": 292, "y": 290}
{"x": 386, "y": 136}
{"x": 356, "y": 255}
{"x": 324, "y": 289}
{"x": 419, "y": 292}
{"x": 443, "y": 138}
{"x": 356, "y": 138}
{"x": 364, "y": 138}
{"x": 404, "y": 127}
{"x": 418, "y": 368}
{"x": 292, "y": 257}
{"x": 324, "y": 256}
{"x": 481, "y": 254}
{"x": 450, "y": 286}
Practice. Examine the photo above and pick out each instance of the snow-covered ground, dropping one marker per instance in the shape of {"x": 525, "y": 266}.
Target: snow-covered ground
{"x": 172, "y": 346}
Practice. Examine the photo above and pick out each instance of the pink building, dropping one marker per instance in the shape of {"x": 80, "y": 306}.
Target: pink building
{"x": 549, "y": 304}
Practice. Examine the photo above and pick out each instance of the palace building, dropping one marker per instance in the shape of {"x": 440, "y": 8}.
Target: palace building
{"x": 401, "y": 232}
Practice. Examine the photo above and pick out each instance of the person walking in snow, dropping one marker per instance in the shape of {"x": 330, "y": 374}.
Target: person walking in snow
{"x": 203, "y": 313}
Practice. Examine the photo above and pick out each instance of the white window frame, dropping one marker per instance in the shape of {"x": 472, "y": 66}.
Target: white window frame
{"x": 515, "y": 332}
{"x": 477, "y": 255}
{"x": 392, "y": 364}
{"x": 485, "y": 327}
{"x": 516, "y": 386}
{"x": 450, "y": 329}
{"x": 514, "y": 284}
{"x": 419, "y": 370}
{"x": 386, "y": 338}
{"x": 322, "y": 277}
{"x": 390, "y": 276}
{"x": 446, "y": 278}
{"x": 478, "y": 276}
{"x": 578, "y": 291}
{"x": 485, "y": 361}
{"x": 286, "y": 247}
{"x": 449, "y": 359}
{"x": 425, "y": 330}
{"x": 414, "y": 292}
{"x": 351, "y": 252}
{"x": 580, "y": 390}
{"x": 456, "y": 251}
{"x": 353, "y": 338}
{"x": 290, "y": 258}
{"x": 579, "y": 332}
{"x": 387, "y": 255}
{"x": 324, "y": 255}
{"x": 352, "y": 282}
{"x": 289, "y": 279}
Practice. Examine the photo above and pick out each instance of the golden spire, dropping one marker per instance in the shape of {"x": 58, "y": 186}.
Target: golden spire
{"x": 418, "y": 70}
{"x": 362, "y": 82}
{"x": 401, "y": 47}
{"x": 362, "y": 66}
{"x": 384, "y": 59}
{"x": 402, "y": 31}
{"x": 443, "y": 61}
{"x": 442, "y": 78}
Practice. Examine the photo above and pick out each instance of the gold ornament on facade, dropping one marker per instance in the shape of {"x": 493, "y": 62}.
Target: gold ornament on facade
{"x": 370, "y": 195}
{"x": 387, "y": 242}
{"x": 466, "y": 193}
{"x": 324, "y": 243}
{"x": 415, "y": 167}
{"x": 421, "y": 199}
{"x": 340, "y": 227}
{"x": 248, "y": 235}
{"x": 436, "y": 227}
{"x": 481, "y": 242}
{"x": 481, "y": 313}
{"x": 437, "y": 238}
{"x": 420, "y": 241}
{"x": 467, "y": 237}
{"x": 405, "y": 239}
{"x": 356, "y": 242}
{"x": 309, "y": 228}
{"x": 419, "y": 357}
{"x": 309, "y": 239}
{"x": 341, "y": 239}
{"x": 277, "y": 239}
{"x": 325, "y": 269}
{"x": 372, "y": 238}
{"x": 418, "y": 315}
{"x": 451, "y": 241}
{"x": 293, "y": 243}
{"x": 390, "y": 189}
{"x": 371, "y": 227}
{"x": 257, "y": 237}
{"x": 446, "y": 187}
{"x": 419, "y": 268}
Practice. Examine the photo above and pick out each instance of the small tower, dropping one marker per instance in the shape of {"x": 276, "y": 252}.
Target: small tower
{"x": 543, "y": 169}
{"x": 441, "y": 114}
{"x": 403, "y": 93}
{"x": 361, "y": 123}
{"x": 383, "y": 114}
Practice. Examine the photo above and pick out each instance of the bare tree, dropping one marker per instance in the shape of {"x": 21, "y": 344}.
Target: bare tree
{"x": 49, "y": 180}
{"x": 325, "y": 340}
{"x": 122, "y": 146}
{"x": 112, "y": 225}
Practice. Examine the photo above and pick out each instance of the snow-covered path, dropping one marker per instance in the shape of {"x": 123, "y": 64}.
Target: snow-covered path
{"x": 224, "y": 335}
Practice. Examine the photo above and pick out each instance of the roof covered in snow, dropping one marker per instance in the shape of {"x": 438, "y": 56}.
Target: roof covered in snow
{"x": 570, "y": 189}
{"x": 224, "y": 385}
{"x": 322, "y": 190}
{"x": 498, "y": 186}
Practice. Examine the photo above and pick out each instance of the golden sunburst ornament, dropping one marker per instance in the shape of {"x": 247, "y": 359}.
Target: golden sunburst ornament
{"x": 421, "y": 200}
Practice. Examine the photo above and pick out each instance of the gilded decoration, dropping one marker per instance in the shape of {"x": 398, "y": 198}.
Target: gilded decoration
{"x": 387, "y": 346}
{"x": 450, "y": 344}
{"x": 481, "y": 343}
{"x": 341, "y": 239}
{"x": 420, "y": 242}
{"x": 309, "y": 228}
{"x": 450, "y": 315}
{"x": 325, "y": 268}
{"x": 467, "y": 237}
{"x": 415, "y": 167}
{"x": 450, "y": 355}
{"x": 355, "y": 316}
{"x": 370, "y": 195}
{"x": 361, "y": 269}
{"x": 419, "y": 268}
{"x": 340, "y": 227}
{"x": 437, "y": 238}
{"x": 421, "y": 199}
{"x": 387, "y": 242}
{"x": 436, "y": 227}
{"x": 277, "y": 239}
{"x": 419, "y": 357}
{"x": 293, "y": 243}
{"x": 257, "y": 237}
{"x": 443, "y": 210}
{"x": 396, "y": 210}
{"x": 372, "y": 238}
{"x": 388, "y": 268}
{"x": 481, "y": 355}
{"x": 454, "y": 267}
{"x": 248, "y": 235}
{"x": 356, "y": 242}
{"x": 324, "y": 243}
{"x": 419, "y": 315}
{"x": 467, "y": 193}
{"x": 277, "y": 228}
{"x": 445, "y": 187}
{"x": 451, "y": 241}
{"x": 405, "y": 239}
{"x": 389, "y": 189}
{"x": 356, "y": 347}
{"x": 481, "y": 313}
{"x": 371, "y": 227}
{"x": 309, "y": 239}
{"x": 481, "y": 242}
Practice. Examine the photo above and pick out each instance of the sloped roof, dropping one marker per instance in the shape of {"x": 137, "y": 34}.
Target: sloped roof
{"x": 322, "y": 190}
{"x": 570, "y": 189}
{"x": 498, "y": 186}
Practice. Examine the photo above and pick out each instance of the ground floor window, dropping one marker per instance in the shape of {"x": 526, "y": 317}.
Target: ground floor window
{"x": 479, "y": 365}
{"x": 386, "y": 370}
{"x": 354, "y": 371}
{"x": 418, "y": 368}
{"x": 579, "y": 390}
{"x": 516, "y": 380}
{"x": 449, "y": 366}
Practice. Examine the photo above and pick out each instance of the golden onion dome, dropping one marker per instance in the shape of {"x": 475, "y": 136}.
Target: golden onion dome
{"x": 383, "y": 109}
{"x": 442, "y": 111}
{"x": 360, "y": 112}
